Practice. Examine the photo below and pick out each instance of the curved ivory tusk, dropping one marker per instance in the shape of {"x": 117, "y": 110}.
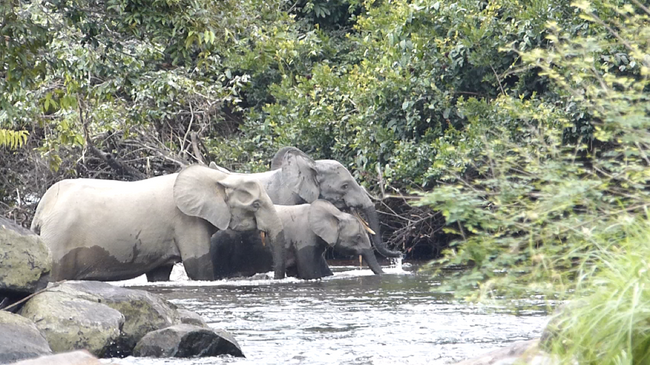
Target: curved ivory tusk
{"x": 363, "y": 221}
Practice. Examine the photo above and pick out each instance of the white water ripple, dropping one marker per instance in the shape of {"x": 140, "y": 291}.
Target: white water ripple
{"x": 353, "y": 317}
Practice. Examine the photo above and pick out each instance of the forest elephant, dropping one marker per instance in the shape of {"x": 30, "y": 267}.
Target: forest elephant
{"x": 116, "y": 230}
{"x": 309, "y": 229}
{"x": 294, "y": 179}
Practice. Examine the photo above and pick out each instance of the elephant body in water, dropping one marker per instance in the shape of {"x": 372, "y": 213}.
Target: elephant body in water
{"x": 115, "y": 230}
{"x": 294, "y": 179}
{"x": 309, "y": 229}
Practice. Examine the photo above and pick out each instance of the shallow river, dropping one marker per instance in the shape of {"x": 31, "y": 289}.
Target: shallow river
{"x": 351, "y": 318}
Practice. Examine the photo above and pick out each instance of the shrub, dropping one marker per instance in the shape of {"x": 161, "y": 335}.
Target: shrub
{"x": 540, "y": 202}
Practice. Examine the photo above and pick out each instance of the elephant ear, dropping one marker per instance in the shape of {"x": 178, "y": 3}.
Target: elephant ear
{"x": 299, "y": 174}
{"x": 198, "y": 192}
{"x": 276, "y": 162}
{"x": 213, "y": 165}
{"x": 324, "y": 221}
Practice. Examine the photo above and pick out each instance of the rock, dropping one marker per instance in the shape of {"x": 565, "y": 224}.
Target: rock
{"x": 21, "y": 339}
{"x": 25, "y": 260}
{"x": 106, "y": 320}
{"x": 143, "y": 311}
{"x": 80, "y": 357}
{"x": 188, "y": 317}
{"x": 71, "y": 323}
{"x": 560, "y": 319}
{"x": 525, "y": 352}
{"x": 186, "y": 340}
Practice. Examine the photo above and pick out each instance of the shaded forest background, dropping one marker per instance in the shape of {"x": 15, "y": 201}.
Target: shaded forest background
{"x": 409, "y": 95}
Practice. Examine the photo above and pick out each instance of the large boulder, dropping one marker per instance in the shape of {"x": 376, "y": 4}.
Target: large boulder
{"x": 186, "y": 340}
{"x": 79, "y": 357}
{"x": 109, "y": 321}
{"x": 21, "y": 339}
{"x": 72, "y": 323}
{"x": 25, "y": 260}
{"x": 143, "y": 311}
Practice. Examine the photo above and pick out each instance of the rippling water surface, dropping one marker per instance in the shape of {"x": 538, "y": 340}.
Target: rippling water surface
{"x": 353, "y": 317}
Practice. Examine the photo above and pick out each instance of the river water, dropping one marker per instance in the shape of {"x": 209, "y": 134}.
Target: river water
{"x": 352, "y": 318}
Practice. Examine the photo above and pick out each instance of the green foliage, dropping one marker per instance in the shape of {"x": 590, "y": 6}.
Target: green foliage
{"x": 22, "y": 40}
{"x": 386, "y": 95}
{"x": 413, "y": 89}
{"x": 539, "y": 205}
{"x": 12, "y": 139}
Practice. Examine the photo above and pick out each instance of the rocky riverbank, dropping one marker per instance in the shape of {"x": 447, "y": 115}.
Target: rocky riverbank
{"x": 45, "y": 318}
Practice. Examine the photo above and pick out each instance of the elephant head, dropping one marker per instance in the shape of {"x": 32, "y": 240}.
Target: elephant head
{"x": 230, "y": 201}
{"x": 344, "y": 232}
{"x": 331, "y": 181}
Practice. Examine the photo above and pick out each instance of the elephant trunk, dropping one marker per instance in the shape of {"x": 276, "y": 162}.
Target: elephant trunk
{"x": 277, "y": 242}
{"x": 370, "y": 259}
{"x": 269, "y": 222}
{"x": 380, "y": 246}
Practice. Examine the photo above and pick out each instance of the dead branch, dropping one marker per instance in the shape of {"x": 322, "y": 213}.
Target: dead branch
{"x": 195, "y": 147}
{"x": 107, "y": 157}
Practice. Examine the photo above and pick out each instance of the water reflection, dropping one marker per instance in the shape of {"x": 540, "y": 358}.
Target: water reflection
{"x": 353, "y": 317}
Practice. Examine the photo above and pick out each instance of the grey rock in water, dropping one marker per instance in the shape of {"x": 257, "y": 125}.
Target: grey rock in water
{"x": 143, "y": 311}
{"x": 525, "y": 352}
{"x": 79, "y": 357}
{"x": 25, "y": 260}
{"x": 72, "y": 323}
{"x": 21, "y": 339}
{"x": 109, "y": 321}
{"x": 186, "y": 340}
{"x": 189, "y": 317}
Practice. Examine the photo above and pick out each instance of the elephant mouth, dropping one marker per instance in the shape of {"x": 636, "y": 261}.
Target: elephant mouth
{"x": 340, "y": 204}
{"x": 243, "y": 226}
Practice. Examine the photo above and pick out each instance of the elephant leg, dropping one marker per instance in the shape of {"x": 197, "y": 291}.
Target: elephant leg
{"x": 239, "y": 254}
{"x": 324, "y": 268}
{"x": 193, "y": 242}
{"x": 311, "y": 264}
{"x": 222, "y": 247}
{"x": 199, "y": 268}
{"x": 160, "y": 273}
{"x": 252, "y": 256}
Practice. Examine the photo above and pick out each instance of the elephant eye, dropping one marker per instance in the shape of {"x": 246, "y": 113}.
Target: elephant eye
{"x": 344, "y": 186}
{"x": 256, "y": 204}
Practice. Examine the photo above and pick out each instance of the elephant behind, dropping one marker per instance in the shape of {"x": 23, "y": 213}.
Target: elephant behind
{"x": 309, "y": 230}
{"x": 115, "y": 230}
{"x": 295, "y": 178}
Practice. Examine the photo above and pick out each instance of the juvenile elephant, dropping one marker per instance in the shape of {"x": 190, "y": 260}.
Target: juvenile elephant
{"x": 297, "y": 179}
{"x": 309, "y": 230}
{"x": 115, "y": 230}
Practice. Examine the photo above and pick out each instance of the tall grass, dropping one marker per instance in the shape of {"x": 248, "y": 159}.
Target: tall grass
{"x": 609, "y": 321}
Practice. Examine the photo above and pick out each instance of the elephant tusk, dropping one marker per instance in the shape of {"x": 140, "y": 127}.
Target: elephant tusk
{"x": 263, "y": 237}
{"x": 360, "y": 261}
{"x": 363, "y": 221}
{"x": 369, "y": 230}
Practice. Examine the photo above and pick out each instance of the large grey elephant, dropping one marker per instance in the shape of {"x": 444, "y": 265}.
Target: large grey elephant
{"x": 115, "y": 230}
{"x": 309, "y": 229}
{"x": 295, "y": 178}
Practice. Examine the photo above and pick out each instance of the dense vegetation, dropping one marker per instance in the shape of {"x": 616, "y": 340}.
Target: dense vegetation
{"x": 513, "y": 134}
{"x": 128, "y": 89}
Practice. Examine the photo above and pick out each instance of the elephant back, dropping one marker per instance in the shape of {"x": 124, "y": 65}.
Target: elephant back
{"x": 277, "y": 161}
